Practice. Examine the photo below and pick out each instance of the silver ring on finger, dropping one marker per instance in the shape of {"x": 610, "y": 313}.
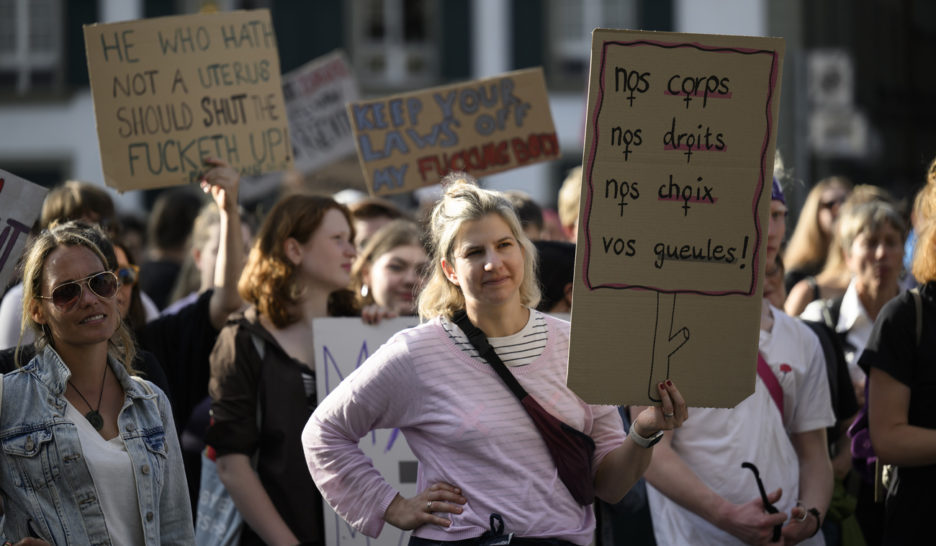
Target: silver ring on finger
{"x": 669, "y": 415}
{"x": 429, "y": 506}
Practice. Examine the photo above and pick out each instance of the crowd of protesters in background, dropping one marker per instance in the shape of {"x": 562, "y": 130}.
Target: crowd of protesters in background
{"x": 213, "y": 308}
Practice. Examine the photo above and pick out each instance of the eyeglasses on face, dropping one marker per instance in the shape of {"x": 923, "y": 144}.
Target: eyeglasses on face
{"x": 103, "y": 285}
{"x": 128, "y": 274}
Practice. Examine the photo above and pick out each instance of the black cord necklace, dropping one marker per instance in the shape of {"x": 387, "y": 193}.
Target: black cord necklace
{"x": 93, "y": 416}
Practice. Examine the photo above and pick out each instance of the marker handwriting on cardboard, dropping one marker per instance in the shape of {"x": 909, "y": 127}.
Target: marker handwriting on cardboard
{"x": 631, "y": 83}
{"x": 172, "y": 91}
{"x": 678, "y": 147}
{"x": 481, "y": 127}
{"x": 699, "y": 139}
{"x": 691, "y": 87}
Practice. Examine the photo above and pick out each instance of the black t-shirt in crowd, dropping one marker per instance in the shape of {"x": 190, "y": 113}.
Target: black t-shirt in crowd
{"x": 182, "y": 343}
{"x": 893, "y": 348}
{"x": 157, "y": 278}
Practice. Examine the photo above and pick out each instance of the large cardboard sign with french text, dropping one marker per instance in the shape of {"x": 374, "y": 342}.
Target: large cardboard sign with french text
{"x": 678, "y": 163}
{"x": 481, "y": 127}
{"x": 316, "y": 94}
{"x": 20, "y": 205}
{"x": 341, "y": 346}
{"x": 171, "y": 91}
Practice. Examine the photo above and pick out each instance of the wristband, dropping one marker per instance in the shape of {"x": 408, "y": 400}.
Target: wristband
{"x": 815, "y": 512}
{"x": 645, "y": 442}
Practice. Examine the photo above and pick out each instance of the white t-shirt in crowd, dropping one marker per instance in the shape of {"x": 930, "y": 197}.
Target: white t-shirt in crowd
{"x": 714, "y": 442}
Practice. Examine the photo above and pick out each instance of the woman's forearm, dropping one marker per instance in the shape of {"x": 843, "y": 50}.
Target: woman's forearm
{"x": 252, "y": 501}
{"x": 894, "y": 439}
{"x": 620, "y": 469}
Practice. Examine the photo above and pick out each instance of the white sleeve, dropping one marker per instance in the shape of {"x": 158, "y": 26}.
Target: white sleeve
{"x": 813, "y": 311}
{"x": 813, "y": 408}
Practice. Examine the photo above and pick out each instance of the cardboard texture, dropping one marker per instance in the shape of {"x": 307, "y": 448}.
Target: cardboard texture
{"x": 341, "y": 346}
{"x": 678, "y": 160}
{"x": 316, "y": 94}
{"x": 171, "y": 91}
{"x": 20, "y": 205}
{"x": 481, "y": 127}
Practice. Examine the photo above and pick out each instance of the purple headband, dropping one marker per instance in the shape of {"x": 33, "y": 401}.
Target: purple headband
{"x": 776, "y": 193}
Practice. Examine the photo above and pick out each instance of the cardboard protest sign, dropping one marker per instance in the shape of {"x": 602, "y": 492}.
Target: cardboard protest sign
{"x": 341, "y": 346}
{"x": 678, "y": 162}
{"x": 481, "y": 127}
{"x": 316, "y": 94}
{"x": 171, "y": 91}
{"x": 20, "y": 205}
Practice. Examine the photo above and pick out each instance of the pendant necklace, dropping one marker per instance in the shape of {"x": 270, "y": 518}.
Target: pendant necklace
{"x": 93, "y": 416}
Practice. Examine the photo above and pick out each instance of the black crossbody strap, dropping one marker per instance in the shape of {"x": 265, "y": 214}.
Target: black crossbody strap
{"x": 480, "y": 342}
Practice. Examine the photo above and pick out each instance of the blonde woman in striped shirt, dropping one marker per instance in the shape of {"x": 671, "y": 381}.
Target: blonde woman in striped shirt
{"x": 480, "y": 454}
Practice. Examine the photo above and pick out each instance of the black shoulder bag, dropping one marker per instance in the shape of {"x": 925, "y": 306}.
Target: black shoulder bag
{"x": 571, "y": 450}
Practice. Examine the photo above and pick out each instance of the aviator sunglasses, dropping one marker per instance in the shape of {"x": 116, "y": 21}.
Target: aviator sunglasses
{"x": 103, "y": 285}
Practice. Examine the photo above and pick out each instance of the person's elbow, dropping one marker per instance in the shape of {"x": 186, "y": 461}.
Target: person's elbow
{"x": 230, "y": 467}
{"x": 611, "y": 495}
{"x": 617, "y": 473}
{"x": 882, "y": 442}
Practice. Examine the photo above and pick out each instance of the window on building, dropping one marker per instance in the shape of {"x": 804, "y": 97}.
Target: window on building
{"x": 215, "y": 6}
{"x": 570, "y": 24}
{"x": 31, "y": 55}
{"x": 395, "y": 43}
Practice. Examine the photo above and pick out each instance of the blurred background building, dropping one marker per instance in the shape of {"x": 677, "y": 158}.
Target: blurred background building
{"x": 858, "y": 86}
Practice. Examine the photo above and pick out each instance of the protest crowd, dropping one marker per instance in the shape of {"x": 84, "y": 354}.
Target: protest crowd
{"x": 160, "y": 387}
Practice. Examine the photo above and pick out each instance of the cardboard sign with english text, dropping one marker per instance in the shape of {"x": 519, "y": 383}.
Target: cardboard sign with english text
{"x": 169, "y": 92}
{"x": 481, "y": 127}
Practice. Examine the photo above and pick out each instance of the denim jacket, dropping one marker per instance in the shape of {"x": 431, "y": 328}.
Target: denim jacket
{"x": 47, "y": 488}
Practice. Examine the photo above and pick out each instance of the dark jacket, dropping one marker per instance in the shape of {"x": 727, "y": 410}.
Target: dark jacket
{"x": 242, "y": 381}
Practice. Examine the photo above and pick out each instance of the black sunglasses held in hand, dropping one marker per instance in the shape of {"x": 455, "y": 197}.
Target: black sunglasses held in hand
{"x": 103, "y": 284}
{"x": 770, "y": 508}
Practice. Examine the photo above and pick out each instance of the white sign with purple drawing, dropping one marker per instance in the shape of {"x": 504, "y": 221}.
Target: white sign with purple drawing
{"x": 341, "y": 345}
{"x": 20, "y": 203}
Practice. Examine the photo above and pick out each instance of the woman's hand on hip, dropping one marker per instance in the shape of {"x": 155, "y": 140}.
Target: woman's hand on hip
{"x": 669, "y": 414}
{"x": 414, "y": 512}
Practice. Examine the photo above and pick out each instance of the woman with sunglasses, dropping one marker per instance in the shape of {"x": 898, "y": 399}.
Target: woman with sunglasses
{"x": 145, "y": 363}
{"x": 809, "y": 246}
{"x": 89, "y": 451}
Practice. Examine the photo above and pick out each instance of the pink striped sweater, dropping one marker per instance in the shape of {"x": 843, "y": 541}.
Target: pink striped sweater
{"x": 465, "y": 427}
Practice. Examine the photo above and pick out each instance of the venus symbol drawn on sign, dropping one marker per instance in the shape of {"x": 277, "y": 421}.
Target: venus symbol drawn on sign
{"x": 669, "y": 210}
